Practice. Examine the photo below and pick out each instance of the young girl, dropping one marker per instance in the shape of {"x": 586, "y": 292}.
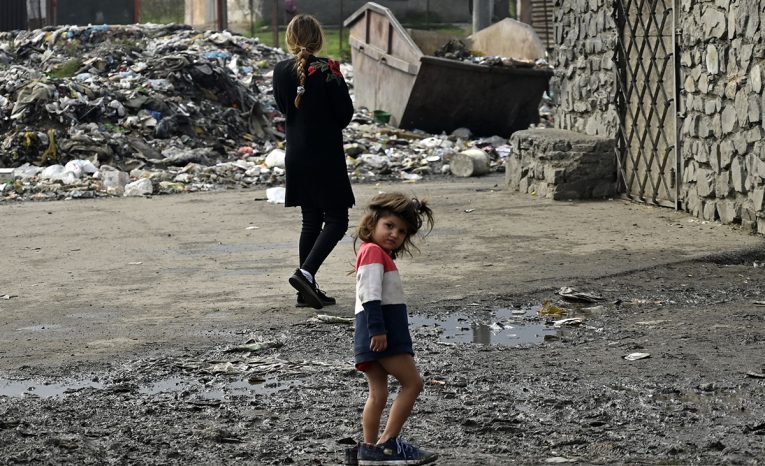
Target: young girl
{"x": 311, "y": 93}
{"x": 383, "y": 345}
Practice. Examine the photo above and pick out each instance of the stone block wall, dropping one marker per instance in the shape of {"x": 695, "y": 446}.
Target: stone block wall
{"x": 584, "y": 85}
{"x": 722, "y": 60}
{"x": 721, "y": 52}
{"x": 561, "y": 164}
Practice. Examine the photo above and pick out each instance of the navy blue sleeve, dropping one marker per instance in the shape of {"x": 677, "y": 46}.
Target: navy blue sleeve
{"x": 375, "y": 322}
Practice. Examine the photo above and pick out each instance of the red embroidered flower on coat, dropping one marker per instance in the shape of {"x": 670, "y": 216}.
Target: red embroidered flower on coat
{"x": 334, "y": 67}
{"x": 311, "y": 70}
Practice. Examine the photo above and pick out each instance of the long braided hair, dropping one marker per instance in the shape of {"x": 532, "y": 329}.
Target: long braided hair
{"x": 304, "y": 38}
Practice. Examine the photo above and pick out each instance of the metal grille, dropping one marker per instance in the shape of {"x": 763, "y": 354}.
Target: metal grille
{"x": 647, "y": 98}
{"x": 13, "y": 15}
{"x": 542, "y": 21}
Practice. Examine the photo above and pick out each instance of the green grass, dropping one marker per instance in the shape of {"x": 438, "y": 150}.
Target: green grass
{"x": 331, "y": 42}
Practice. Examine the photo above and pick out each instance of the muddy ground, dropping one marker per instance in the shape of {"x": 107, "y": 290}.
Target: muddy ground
{"x": 162, "y": 331}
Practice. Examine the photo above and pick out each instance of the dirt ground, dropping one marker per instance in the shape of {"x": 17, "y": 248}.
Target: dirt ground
{"x": 163, "y": 331}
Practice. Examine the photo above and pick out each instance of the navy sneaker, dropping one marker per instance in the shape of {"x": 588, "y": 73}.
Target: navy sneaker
{"x": 394, "y": 451}
{"x": 352, "y": 455}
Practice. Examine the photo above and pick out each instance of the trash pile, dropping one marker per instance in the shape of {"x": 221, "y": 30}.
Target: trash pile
{"x": 455, "y": 49}
{"x": 154, "y": 109}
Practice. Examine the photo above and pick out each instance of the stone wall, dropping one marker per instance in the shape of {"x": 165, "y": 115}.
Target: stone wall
{"x": 584, "y": 85}
{"x": 722, "y": 67}
{"x": 561, "y": 165}
{"x": 722, "y": 60}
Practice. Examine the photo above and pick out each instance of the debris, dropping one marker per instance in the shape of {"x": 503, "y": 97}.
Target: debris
{"x": 571, "y": 294}
{"x": 756, "y": 375}
{"x": 550, "y": 309}
{"x": 759, "y": 303}
{"x": 570, "y": 322}
{"x": 276, "y": 195}
{"x": 329, "y": 319}
{"x": 254, "y": 346}
{"x": 560, "y": 460}
{"x": 636, "y": 356}
{"x": 471, "y": 162}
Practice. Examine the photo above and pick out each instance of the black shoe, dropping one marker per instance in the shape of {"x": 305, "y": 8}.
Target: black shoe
{"x": 307, "y": 289}
{"x": 325, "y": 300}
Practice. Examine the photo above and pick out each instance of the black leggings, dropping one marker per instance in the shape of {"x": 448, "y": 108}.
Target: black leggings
{"x": 322, "y": 230}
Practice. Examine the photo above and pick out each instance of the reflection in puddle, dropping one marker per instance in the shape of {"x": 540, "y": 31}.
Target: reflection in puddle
{"x": 219, "y": 389}
{"x": 500, "y": 327}
{"x": 19, "y": 388}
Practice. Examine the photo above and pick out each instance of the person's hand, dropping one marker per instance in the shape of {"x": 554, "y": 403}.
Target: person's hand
{"x": 379, "y": 343}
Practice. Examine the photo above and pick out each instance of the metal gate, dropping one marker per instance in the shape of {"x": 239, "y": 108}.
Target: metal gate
{"x": 647, "y": 90}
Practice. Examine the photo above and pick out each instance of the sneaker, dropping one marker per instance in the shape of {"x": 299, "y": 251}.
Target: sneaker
{"x": 325, "y": 300}
{"x": 307, "y": 289}
{"x": 352, "y": 455}
{"x": 394, "y": 451}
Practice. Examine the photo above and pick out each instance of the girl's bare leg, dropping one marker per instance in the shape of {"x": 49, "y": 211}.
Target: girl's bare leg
{"x": 402, "y": 367}
{"x": 377, "y": 379}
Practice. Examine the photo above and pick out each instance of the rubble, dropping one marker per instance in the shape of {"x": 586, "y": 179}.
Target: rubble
{"x": 157, "y": 109}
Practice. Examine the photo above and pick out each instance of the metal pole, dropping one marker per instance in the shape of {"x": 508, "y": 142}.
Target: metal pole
{"x": 676, "y": 58}
{"x": 252, "y": 18}
{"x": 222, "y": 15}
{"x": 340, "y": 39}
{"x": 481, "y": 14}
{"x": 137, "y": 11}
{"x": 275, "y": 21}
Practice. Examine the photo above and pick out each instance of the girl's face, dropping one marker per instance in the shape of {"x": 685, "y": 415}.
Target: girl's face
{"x": 390, "y": 232}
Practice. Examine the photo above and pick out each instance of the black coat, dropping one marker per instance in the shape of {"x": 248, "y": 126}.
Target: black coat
{"x": 315, "y": 162}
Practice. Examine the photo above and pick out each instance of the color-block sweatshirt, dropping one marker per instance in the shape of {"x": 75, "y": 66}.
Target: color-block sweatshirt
{"x": 380, "y": 307}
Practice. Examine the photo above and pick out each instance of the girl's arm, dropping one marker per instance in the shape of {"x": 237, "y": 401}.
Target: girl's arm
{"x": 280, "y": 99}
{"x": 342, "y": 107}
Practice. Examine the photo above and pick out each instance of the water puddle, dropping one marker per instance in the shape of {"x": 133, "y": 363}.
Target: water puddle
{"x": 20, "y": 388}
{"x": 219, "y": 389}
{"x": 503, "y": 327}
{"x": 212, "y": 390}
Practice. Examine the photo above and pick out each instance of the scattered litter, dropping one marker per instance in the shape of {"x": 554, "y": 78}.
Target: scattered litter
{"x": 636, "y": 356}
{"x": 276, "y": 195}
{"x": 550, "y": 309}
{"x": 8, "y": 296}
{"x": 254, "y": 346}
{"x": 467, "y": 211}
{"x": 756, "y": 375}
{"x": 252, "y": 228}
{"x": 570, "y": 322}
{"x": 135, "y": 263}
{"x": 651, "y": 322}
{"x": 560, "y": 460}
{"x": 329, "y": 319}
{"x": 759, "y": 303}
{"x": 570, "y": 294}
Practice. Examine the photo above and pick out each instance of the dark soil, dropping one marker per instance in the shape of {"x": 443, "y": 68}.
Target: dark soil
{"x": 296, "y": 399}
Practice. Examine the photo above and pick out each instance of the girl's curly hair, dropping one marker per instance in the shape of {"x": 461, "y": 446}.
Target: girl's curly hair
{"x": 414, "y": 212}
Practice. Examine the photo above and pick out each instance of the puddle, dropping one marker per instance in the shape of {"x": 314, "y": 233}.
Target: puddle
{"x": 213, "y": 390}
{"x": 19, "y": 388}
{"x": 500, "y": 327}
{"x": 219, "y": 389}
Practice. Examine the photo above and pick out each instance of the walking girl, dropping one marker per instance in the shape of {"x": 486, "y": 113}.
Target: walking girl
{"x": 383, "y": 345}
{"x": 312, "y": 94}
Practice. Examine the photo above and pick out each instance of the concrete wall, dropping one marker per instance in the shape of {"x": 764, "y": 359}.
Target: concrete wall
{"x": 722, "y": 67}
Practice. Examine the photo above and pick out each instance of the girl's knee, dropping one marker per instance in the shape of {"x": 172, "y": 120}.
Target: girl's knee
{"x": 419, "y": 385}
{"x": 378, "y": 399}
